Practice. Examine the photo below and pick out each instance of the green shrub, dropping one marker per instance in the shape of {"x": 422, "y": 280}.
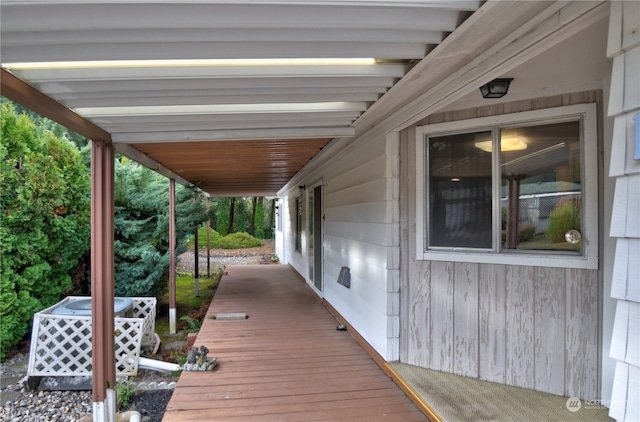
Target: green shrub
{"x": 124, "y": 393}
{"x": 240, "y": 240}
{"x": 564, "y": 217}
{"x": 214, "y": 237}
{"x": 194, "y": 324}
{"x": 44, "y": 223}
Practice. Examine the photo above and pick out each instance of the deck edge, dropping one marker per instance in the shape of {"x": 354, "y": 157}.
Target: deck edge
{"x": 386, "y": 368}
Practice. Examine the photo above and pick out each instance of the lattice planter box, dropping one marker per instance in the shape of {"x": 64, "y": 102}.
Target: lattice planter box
{"x": 61, "y": 344}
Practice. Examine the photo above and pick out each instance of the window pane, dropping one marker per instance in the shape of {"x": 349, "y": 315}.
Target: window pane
{"x": 459, "y": 187}
{"x": 541, "y": 198}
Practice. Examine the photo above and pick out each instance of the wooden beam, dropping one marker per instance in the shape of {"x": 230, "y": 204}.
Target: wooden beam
{"x": 22, "y": 93}
{"x": 102, "y": 280}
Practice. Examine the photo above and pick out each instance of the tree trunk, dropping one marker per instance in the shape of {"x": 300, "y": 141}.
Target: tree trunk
{"x": 252, "y": 223}
{"x": 232, "y": 212}
{"x": 272, "y": 217}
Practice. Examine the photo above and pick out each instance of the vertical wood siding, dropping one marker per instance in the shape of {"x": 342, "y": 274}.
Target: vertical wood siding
{"x": 520, "y": 326}
{"x": 531, "y": 327}
{"x": 550, "y": 345}
{"x": 465, "y": 323}
{"x": 492, "y": 323}
{"x": 582, "y": 359}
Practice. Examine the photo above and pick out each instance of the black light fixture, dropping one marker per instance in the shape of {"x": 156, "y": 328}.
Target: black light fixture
{"x": 497, "y": 88}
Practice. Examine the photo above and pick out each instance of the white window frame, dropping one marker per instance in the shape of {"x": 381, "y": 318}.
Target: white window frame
{"x": 589, "y": 137}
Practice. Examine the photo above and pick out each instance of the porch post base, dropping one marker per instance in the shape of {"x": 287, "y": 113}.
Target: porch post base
{"x": 172, "y": 320}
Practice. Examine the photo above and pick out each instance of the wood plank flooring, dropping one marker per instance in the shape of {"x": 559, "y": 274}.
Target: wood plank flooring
{"x": 285, "y": 362}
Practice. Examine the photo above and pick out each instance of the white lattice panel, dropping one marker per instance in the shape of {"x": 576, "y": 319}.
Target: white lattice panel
{"x": 128, "y": 332}
{"x": 61, "y": 344}
{"x": 145, "y": 307}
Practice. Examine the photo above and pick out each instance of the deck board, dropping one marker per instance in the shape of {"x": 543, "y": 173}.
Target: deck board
{"x": 285, "y": 362}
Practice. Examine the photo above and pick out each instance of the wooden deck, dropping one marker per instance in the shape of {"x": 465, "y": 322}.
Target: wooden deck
{"x": 286, "y": 362}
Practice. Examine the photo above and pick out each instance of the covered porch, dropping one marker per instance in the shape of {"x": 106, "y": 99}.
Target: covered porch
{"x": 285, "y": 362}
{"x": 288, "y": 362}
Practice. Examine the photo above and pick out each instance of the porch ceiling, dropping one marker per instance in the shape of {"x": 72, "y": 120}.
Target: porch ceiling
{"x": 161, "y": 77}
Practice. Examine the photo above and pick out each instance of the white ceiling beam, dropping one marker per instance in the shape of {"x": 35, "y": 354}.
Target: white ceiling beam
{"x": 232, "y": 118}
{"x": 109, "y": 38}
{"x": 220, "y": 109}
{"x": 217, "y": 126}
{"x": 225, "y": 85}
{"x": 236, "y": 120}
{"x": 440, "y": 4}
{"x": 169, "y": 92}
{"x": 102, "y": 74}
{"x": 108, "y": 15}
{"x": 240, "y": 134}
{"x": 199, "y": 98}
{"x": 213, "y": 50}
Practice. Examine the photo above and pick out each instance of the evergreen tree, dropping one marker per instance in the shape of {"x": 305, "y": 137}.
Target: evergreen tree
{"x": 242, "y": 216}
{"x": 232, "y": 214}
{"x": 142, "y": 227}
{"x": 258, "y": 216}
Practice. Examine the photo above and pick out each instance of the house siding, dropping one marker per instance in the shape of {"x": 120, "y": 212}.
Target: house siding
{"x": 624, "y": 105}
{"x": 360, "y": 202}
{"x": 531, "y": 327}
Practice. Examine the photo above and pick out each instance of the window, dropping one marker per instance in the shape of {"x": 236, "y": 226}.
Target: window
{"x": 520, "y": 184}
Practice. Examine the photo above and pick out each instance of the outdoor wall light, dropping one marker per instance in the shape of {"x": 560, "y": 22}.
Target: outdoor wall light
{"x": 497, "y": 88}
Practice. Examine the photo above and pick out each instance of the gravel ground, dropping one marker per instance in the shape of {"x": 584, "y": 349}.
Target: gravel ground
{"x": 224, "y": 257}
{"x": 154, "y": 388}
{"x": 20, "y": 405}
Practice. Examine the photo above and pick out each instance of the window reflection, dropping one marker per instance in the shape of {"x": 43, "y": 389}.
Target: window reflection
{"x": 541, "y": 197}
{"x": 538, "y": 188}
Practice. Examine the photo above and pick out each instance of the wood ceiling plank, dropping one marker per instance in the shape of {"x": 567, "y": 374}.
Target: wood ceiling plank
{"x": 224, "y": 167}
